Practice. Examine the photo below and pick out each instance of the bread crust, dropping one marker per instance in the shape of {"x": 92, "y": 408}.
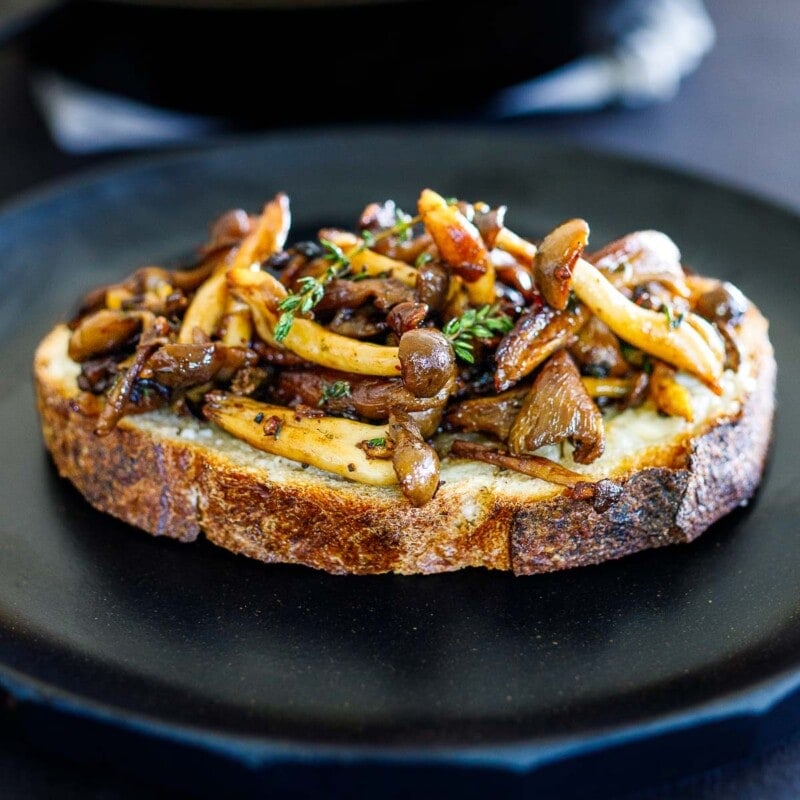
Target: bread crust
{"x": 170, "y": 487}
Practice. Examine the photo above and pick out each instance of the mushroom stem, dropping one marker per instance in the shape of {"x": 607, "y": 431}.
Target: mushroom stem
{"x": 683, "y": 345}
{"x": 520, "y": 248}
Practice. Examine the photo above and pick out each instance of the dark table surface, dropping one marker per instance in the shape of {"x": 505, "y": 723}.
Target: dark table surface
{"x": 735, "y": 120}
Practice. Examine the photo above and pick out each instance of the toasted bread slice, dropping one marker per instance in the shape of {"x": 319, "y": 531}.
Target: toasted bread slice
{"x": 179, "y": 477}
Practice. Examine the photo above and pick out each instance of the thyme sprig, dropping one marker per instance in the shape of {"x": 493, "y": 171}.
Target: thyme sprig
{"x": 673, "y": 320}
{"x": 476, "y": 323}
{"x": 403, "y": 229}
{"x": 334, "y": 391}
{"x": 311, "y": 290}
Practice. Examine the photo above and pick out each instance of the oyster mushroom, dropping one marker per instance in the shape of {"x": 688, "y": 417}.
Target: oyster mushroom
{"x": 537, "y": 334}
{"x": 558, "y": 407}
{"x": 103, "y": 332}
{"x": 641, "y": 257}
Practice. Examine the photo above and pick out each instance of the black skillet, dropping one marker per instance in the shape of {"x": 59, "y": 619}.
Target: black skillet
{"x": 278, "y": 62}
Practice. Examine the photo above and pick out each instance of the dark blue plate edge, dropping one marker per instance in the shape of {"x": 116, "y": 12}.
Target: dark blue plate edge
{"x": 742, "y": 716}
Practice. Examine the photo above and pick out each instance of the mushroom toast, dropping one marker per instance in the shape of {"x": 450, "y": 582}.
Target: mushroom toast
{"x": 426, "y": 393}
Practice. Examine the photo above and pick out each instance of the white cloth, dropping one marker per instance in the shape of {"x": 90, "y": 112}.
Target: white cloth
{"x": 658, "y": 43}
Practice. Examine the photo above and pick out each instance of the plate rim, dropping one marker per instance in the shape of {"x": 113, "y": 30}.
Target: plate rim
{"x": 125, "y": 164}
{"x": 757, "y": 700}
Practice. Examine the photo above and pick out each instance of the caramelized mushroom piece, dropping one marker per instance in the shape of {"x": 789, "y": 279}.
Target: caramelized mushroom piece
{"x": 118, "y": 402}
{"x": 733, "y": 355}
{"x": 433, "y": 284}
{"x": 537, "y": 334}
{"x": 229, "y": 229}
{"x": 187, "y": 280}
{"x": 602, "y": 494}
{"x": 670, "y": 397}
{"x": 415, "y": 462}
{"x": 379, "y": 217}
{"x": 458, "y": 240}
{"x": 97, "y": 374}
{"x": 517, "y": 276}
{"x": 521, "y": 249}
{"x": 639, "y": 390}
{"x": 724, "y": 303}
{"x": 405, "y": 317}
{"x": 460, "y": 245}
{"x": 691, "y": 344}
{"x": 558, "y": 407}
{"x": 103, "y": 332}
{"x": 427, "y": 361}
{"x": 429, "y": 420}
{"x": 372, "y": 398}
{"x": 598, "y": 351}
{"x": 277, "y": 357}
{"x": 248, "y": 380}
{"x": 557, "y": 255}
{"x": 383, "y": 292}
{"x": 490, "y": 221}
{"x": 267, "y": 234}
{"x": 494, "y": 414}
{"x": 359, "y": 323}
{"x": 611, "y": 388}
{"x": 641, "y": 257}
{"x": 180, "y": 365}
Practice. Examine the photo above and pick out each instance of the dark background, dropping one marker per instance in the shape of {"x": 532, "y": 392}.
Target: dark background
{"x": 735, "y": 120}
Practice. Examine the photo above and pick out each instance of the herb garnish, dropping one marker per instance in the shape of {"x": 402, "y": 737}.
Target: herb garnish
{"x": 379, "y": 441}
{"x": 334, "y": 391}
{"x": 404, "y": 224}
{"x": 311, "y": 290}
{"x": 673, "y": 320}
{"x": 482, "y": 323}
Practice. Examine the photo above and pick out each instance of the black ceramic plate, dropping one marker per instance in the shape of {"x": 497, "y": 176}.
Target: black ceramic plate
{"x": 274, "y": 666}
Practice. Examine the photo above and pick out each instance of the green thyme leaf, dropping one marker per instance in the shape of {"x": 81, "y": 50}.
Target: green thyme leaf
{"x": 334, "y": 253}
{"x": 377, "y": 442}
{"x": 422, "y": 259}
{"x": 482, "y": 323}
{"x": 673, "y": 320}
{"x": 310, "y": 289}
{"x": 284, "y": 325}
{"x": 463, "y": 350}
{"x": 334, "y": 391}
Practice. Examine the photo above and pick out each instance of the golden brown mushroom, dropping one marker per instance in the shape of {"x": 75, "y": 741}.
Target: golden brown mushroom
{"x": 556, "y": 258}
{"x": 558, "y": 407}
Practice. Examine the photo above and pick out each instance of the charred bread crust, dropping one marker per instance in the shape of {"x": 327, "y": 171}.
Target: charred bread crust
{"x": 181, "y": 489}
{"x": 711, "y": 474}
